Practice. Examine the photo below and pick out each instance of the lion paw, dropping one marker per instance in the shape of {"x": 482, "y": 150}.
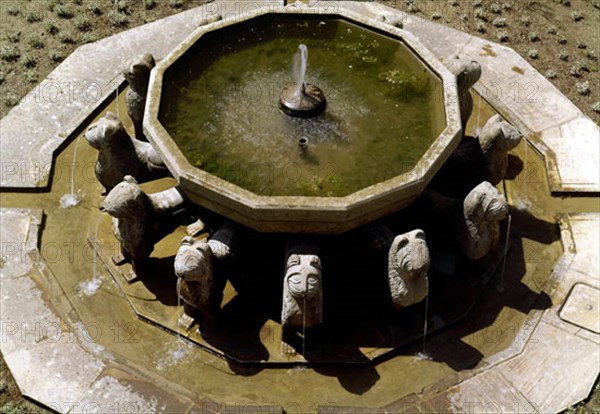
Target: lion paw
{"x": 185, "y": 321}
{"x": 195, "y": 228}
{"x": 118, "y": 259}
{"x": 287, "y": 349}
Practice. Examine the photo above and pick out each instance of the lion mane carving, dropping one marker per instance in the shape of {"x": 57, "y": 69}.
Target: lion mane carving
{"x": 197, "y": 285}
{"x": 408, "y": 263}
{"x": 119, "y": 155}
{"x": 483, "y": 209}
{"x": 302, "y": 292}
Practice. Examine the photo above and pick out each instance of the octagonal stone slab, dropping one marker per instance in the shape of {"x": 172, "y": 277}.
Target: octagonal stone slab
{"x": 582, "y": 308}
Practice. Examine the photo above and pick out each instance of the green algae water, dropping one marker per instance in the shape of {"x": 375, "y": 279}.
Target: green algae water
{"x": 220, "y": 105}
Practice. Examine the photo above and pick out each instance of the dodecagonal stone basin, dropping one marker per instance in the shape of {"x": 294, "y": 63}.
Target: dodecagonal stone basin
{"x": 390, "y": 123}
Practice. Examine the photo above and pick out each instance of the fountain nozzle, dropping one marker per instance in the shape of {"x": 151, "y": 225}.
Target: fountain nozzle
{"x": 301, "y": 99}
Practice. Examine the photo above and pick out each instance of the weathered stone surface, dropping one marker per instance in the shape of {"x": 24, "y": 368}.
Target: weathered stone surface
{"x": 119, "y": 155}
{"x": 483, "y": 209}
{"x": 139, "y": 218}
{"x": 582, "y": 308}
{"x": 483, "y": 393}
{"x": 197, "y": 285}
{"x": 408, "y": 263}
{"x": 137, "y": 74}
{"x": 516, "y": 89}
{"x": 302, "y": 303}
{"x": 585, "y": 230}
{"x": 555, "y": 370}
{"x": 572, "y": 155}
{"x": 115, "y": 391}
{"x": 467, "y": 73}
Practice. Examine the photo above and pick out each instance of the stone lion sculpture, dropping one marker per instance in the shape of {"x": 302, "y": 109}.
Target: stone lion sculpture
{"x": 119, "y": 155}
{"x": 197, "y": 285}
{"x": 467, "y": 73}
{"x": 137, "y": 73}
{"x": 483, "y": 209}
{"x": 302, "y": 305}
{"x": 139, "y": 219}
{"x": 408, "y": 264}
{"x": 497, "y": 137}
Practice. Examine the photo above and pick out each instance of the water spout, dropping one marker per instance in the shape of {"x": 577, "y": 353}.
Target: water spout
{"x": 299, "y": 68}
{"x": 301, "y": 99}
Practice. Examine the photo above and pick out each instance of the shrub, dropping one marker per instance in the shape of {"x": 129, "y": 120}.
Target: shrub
{"x": 533, "y": 37}
{"x": 56, "y": 56}
{"x": 178, "y": 4}
{"x": 12, "y": 10}
{"x": 66, "y": 37}
{"x": 591, "y": 55}
{"x": 577, "y": 70}
{"x": 51, "y": 27}
{"x": 53, "y": 3}
{"x": 499, "y": 22}
{"x": 82, "y": 23}
{"x": 561, "y": 40}
{"x": 581, "y": 45}
{"x": 29, "y": 61}
{"x": 35, "y": 41}
{"x": 551, "y": 74}
{"x": 436, "y": 16}
{"x": 525, "y": 21}
{"x": 507, "y": 6}
{"x": 563, "y": 56}
{"x": 2, "y": 383}
{"x": 13, "y": 37}
{"x": 89, "y": 37}
{"x": 480, "y": 27}
{"x": 413, "y": 8}
{"x": 94, "y": 7}
{"x": 495, "y": 8}
{"x": 502, "y": 36}
{"x": 576, "y": 16}
{"x": 552, "y": 30}
{"x": 118, "y": 19}
{"x": 33, "y": 16}
{"x": 9, "y": 53}
{"x": 480, "y": 14}
{"x": 583, "y": 88}
{"x": 122, "y": 6}
{"x": 478, "y": 3}
{"x": 596, "y": 107}
{"x": 31, "y": 76}
{"x": 533, "y": 53}
{"x": 10, "y": 100}
{"x": 63, "y": 11}
{"x": 149, "y": 4}
{"x": 453, "y": 3}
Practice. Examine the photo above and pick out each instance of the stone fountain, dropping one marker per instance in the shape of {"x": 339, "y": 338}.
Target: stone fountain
{"x": 384, "y": 56}
{"x": 262, "y": 230}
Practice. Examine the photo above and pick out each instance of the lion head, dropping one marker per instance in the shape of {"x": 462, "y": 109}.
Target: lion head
{"x": 193, "y": 260}
{"x": 303, "y": 275}
{"x": 467, "y": 73}
{"x": 107, "y": 131}
{"x": 485, "y": 203}
{"x": 408, "y": 264}
{"x": 138, "y": 68}
{"x": 497, "y": 132}
{"x": 126, "y": 199}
